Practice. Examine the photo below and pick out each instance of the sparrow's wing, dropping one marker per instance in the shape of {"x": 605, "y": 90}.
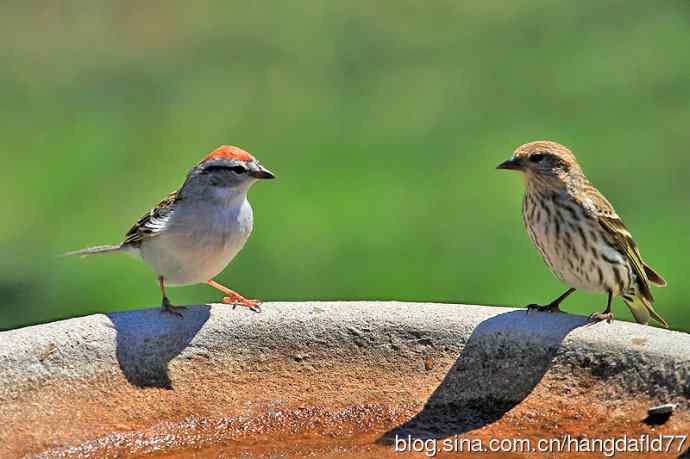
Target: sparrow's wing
{"x": 151, "y": 224}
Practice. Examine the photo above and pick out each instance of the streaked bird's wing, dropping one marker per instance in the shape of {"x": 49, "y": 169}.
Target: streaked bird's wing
{"x": 603, "y": 209}
{"x": 626, "y": 245}
{"x": 620, "y": 236}
{"x": 151, "y": 224}
{"x": 597, "y": 204}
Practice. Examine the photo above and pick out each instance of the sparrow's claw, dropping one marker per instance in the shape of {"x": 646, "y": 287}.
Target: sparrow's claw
{"x": 252, "y": 305}
{"x": 602, "y": 316}
{"x": 173, "y": 310}
{"x": 553, "y": 307}
{"x": 235, "y": 298}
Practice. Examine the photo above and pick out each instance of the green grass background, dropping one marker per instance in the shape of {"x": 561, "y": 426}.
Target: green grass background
{"x": 383, "y": 120}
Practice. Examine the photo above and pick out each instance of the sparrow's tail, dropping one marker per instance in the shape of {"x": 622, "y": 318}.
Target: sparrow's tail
{"x": 641, "y": 307}
{"x": 94, "y": 250}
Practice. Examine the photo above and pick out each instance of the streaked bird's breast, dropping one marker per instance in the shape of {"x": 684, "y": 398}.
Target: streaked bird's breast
{"x": 573, "y": 243}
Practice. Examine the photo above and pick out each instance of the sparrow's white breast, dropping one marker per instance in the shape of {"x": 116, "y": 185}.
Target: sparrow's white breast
{"x": 199, "y": 241}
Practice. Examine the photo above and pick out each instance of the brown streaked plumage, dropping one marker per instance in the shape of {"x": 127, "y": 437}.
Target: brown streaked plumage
{"x": 578, "y": 232}
{"x": 144, "y": 227}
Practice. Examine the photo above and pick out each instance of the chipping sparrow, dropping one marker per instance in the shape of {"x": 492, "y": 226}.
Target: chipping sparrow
{"x": 192, "y": 235}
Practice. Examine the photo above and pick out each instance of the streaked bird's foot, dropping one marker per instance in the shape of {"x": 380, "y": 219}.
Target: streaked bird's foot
{"x": 553, "y": 307}
{"x": 252, "y": 305}
{"x": 172, "y": 310}
{"x": 602, "y": 316}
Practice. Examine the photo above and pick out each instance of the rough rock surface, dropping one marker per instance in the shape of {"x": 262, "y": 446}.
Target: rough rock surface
{"x": 141, "y": 382}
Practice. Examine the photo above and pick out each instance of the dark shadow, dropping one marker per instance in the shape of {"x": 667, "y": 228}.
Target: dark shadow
{"x": 502, "y": 362}
{"x": 148, "y": 340}
{"x": 655, "y": 420}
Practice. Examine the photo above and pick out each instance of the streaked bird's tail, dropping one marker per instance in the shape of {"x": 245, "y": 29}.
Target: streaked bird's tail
{"x": 654, "y": 276}
{"x": 94, "y": 251}
{"x": 641, "y": 307}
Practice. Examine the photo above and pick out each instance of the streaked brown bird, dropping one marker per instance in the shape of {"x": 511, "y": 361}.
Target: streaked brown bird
{"x": 579, "y": 234}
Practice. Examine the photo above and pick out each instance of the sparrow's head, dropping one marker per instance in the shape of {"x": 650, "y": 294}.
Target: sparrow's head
{"x": 224, "y": 172}
{"x": 229, "y": 166}
{"x": 543, "y": 161}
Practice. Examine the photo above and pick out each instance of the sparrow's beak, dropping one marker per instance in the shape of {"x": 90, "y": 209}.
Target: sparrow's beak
{"x": 512, "y": 165}
{"x": 261, "y": 172}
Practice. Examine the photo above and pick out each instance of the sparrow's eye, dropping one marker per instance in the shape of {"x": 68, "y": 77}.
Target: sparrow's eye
{"x": 220, "y": 167}
{"x": 537, "y": 157}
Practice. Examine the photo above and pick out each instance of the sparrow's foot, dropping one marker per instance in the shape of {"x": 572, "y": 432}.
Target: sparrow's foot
{"x": 553, "y": 307}
{"x": 602, "y": 316}
{"x": 252, "y": 305}
{"x": 167, "y": 308}
{"x": 235, "y": 298}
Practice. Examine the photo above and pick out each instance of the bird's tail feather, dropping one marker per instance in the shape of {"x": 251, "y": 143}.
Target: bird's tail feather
{"x": 94, "y": 251}
{"x": 655, "y": 277}
{"x": 642, "y": 309}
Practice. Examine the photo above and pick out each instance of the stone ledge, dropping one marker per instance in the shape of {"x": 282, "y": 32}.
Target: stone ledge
{"x": 497, "y": 355}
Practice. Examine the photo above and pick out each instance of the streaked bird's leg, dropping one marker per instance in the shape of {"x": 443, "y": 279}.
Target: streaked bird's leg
{"x": 235, "y": 298}
{"x": 607, "y": 315}
{"x": 554, "y": 306}
{"x": 166, "y": 307}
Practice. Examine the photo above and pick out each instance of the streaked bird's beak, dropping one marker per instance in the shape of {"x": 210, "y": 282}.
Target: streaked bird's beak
{"x": 262, "y": 173}
{"x": 511, "y": 165}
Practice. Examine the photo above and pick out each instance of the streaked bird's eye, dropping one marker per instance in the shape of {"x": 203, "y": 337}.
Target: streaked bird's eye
{"x": 537, "y": 157}
{"x": 238, "y": 169}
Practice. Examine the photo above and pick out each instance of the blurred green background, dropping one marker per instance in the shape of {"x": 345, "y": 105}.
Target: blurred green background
{"x": 383, "y": 120}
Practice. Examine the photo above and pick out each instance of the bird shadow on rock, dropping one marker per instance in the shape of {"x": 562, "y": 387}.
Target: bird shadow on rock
{"x": 503, "y": 361}
{"x": 147, "y": 341}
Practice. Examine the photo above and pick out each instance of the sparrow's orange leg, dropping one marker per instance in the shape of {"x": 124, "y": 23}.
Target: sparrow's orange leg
{"x": 166, "y": 307}
{"x": 235, "y": 298}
